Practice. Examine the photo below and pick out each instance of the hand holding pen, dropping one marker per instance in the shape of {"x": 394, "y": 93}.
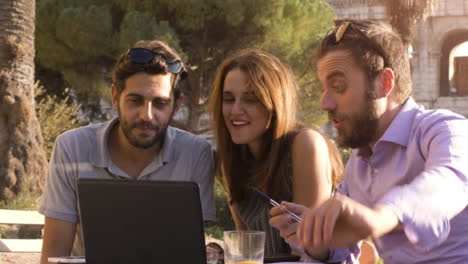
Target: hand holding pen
{"x": 275, "y": 203}
{"x": 288, "y": 224}
{"x": 285, "y": 218}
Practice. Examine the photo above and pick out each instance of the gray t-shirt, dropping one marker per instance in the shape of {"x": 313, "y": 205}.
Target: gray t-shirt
{"x": 83, "y": 153}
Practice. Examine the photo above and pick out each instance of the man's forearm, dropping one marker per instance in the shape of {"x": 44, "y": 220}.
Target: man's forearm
{"x": 385, "y": 221}
{"x": 58, "y": 239}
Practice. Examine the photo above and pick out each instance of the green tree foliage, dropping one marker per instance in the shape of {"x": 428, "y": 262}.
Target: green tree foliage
{"x": 223, "y": 214}
{"x": 81, "y": 39}
{"x": 56, "y": 115}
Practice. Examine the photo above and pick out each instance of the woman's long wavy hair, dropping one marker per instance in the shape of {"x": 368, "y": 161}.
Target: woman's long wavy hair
{"x": 276, "y": 88}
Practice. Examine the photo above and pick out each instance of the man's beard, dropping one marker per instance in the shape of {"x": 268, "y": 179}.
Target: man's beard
{"x": 144, "y": 143}
{"x": 363, "y": 125}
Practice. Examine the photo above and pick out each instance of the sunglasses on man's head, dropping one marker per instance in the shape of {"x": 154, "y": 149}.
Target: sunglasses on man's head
{"x": 143, "y": 56}
{"x": 335, "y": 35}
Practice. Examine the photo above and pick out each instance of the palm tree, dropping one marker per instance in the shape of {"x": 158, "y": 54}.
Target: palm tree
{"x": 22, "y": 159}
{"x": 404, "y": 14}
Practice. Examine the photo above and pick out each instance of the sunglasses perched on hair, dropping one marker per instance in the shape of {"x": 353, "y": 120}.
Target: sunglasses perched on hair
{"x": 335, "y": 35}
{"x": 143, "y": 56}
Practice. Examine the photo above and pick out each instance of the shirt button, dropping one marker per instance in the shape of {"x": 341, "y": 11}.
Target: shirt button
{"x": 376, "y": 171}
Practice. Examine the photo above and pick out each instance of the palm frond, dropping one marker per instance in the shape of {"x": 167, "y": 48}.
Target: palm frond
{"x": 404, "y": 14}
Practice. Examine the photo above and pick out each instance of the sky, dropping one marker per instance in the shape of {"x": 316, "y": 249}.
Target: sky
{"x": 461, "y": 50}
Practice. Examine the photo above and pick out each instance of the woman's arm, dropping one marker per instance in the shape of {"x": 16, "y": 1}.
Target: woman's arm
{"x": 311, "y": 177}
{"x": 311, "y": 169}
{"x": 240, "y": 225}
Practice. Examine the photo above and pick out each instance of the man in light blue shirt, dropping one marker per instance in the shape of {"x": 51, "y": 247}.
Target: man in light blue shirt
{"x": 138, "y": 145}
{"x": 406, "y": 182}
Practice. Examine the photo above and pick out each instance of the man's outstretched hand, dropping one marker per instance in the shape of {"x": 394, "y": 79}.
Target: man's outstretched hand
{"x": 342, "y": 222}
{"x": 286, "y": 224}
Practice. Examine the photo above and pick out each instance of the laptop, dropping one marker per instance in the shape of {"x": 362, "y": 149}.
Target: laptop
{"x": 141, "y": 222}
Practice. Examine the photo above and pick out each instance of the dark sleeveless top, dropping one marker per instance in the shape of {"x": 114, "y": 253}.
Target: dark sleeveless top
{"x": 255, "y": 213}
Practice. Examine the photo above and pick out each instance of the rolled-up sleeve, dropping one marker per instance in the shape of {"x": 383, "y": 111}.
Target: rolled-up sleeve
{"x": 426, "y": 205}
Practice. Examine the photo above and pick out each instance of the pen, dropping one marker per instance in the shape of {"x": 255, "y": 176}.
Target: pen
{"x": 275, "y": 203}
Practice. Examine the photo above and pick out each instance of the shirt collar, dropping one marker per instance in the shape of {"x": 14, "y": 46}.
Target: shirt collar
{"x": 167, "y": 149}
{"x": 399, "y": 129}
{"x": 100, "y": 157}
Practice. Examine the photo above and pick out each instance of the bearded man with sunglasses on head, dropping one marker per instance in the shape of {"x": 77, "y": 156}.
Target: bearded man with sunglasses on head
{"x": 139, "y": 144}
{"x": 406, "y": 182}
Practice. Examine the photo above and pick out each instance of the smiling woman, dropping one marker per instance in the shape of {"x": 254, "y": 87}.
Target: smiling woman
{"x": 262, "y": 145}
{"x": 246, "y": 118}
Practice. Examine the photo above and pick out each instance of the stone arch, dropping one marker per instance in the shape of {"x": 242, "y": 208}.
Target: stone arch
{"x": 451, "y": 40}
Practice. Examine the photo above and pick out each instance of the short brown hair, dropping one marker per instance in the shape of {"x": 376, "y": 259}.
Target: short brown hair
{"x": 374, "y": 45}
{"x": 124, "y": 68}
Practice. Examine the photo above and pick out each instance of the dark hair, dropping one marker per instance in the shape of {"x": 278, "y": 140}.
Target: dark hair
{"x": 374, "y": 45}
{"x": 124, "y": 68}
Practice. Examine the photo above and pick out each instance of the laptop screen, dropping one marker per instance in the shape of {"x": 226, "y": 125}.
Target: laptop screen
{"x": 126, "y": 221}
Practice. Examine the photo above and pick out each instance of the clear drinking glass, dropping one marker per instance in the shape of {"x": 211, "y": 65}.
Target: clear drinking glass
{"x": 244, "y": 247}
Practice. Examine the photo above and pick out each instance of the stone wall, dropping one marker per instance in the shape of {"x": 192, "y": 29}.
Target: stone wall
{"x": 357, "y": 9}
{"x": 434, "y": 39}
